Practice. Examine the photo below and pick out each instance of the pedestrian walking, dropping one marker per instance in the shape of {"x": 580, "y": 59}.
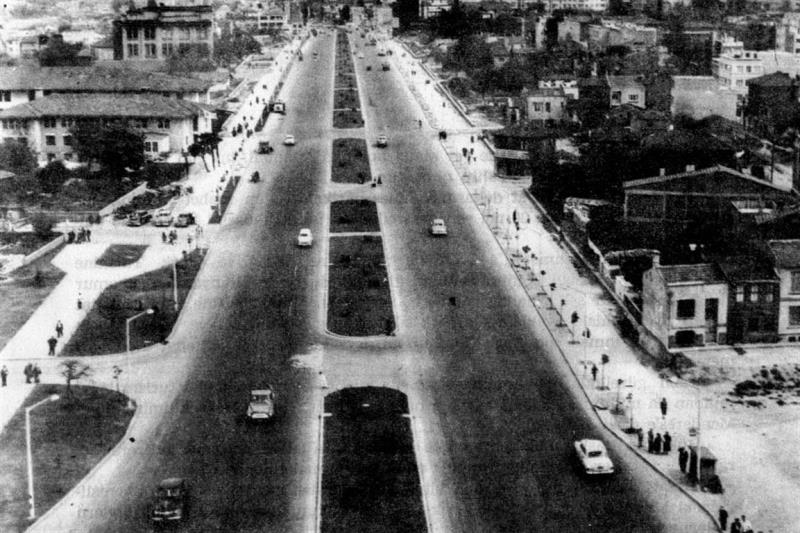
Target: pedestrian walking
{"x": 640, "y": 436}
{"x": 736, "y": 526}
{"x": 667, "y": 442}
{"x": 420, "y": 124}
{"x": 80, "y": 302}
{"x": 464, "y": 152}
{"x": 657, "y": 444}
{"x": 163, "y": 237}
{"x": 59, "y": 329}
{"x": 723, "y": 518}
{"x": 663, "y": 407}
{"x": 51, "y": 343}
{"x": 4, "y": 375}
{"x": 594, "y": 372}
{"x": 88, "y": 235}
{"x": 683, "y": 458}
{"x": 472, "y": 138}
{"x": 28, "y": 371}
{"x": 650, "y": 441}
{"x": 747, "y": 527}
{"x": 36, "y": 371}
{"x": 472, "y": 151}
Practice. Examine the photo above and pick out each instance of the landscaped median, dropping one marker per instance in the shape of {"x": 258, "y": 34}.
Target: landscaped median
{"x": 224, "y": 200}
{"x": 349, "y": 162}
{"x": 69, "y": 437}
{"x": 103, "y": 329}
{"x": 346, "y": 112}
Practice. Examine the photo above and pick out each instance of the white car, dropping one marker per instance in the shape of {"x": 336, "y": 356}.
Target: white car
{"x": 438, "y": 227}
{"x": 383, "y": 142}
{"x": 262, "y": 404}
{"x": 361, "y": 55}
{"x": 163, "y": 217}
{"x": 305, "y": 239}
{"x": 594, "y": 457}
{"x": 289, "y": 140}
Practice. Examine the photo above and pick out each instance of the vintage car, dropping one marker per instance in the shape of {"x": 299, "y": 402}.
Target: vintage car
{"x": 593, "y": 457}
{"x": 171, "y": 500}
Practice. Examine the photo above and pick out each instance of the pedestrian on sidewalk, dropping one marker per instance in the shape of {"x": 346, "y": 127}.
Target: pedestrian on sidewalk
{"x": 594, "y": 378}
{"x": 640, "y": 436}
{"x": 683, "y": 458}
{"x": 657, "y": 444}
{"x": 59, "y": 329}
{"x": 36, "y": 371}
{"x": 80, "y": 302}
{"x": 28, "y": 371}
{"x": 723, "y": 518}
{"x": 736, "y": 526}
{"x": 163, "y": 238}
{"x": 4, "y": 375}
{"x": 420, "y": 124}
{"x": 472, "y": 138}
{"x": 472, "y": 152}
{"x": 650, "y": 441}
{"x": 667, "y": 442}
{"x": 88, "y": 235}
{"x": 663, "y": 407}
{"x": 464, "y": 152}
{"x": 747, "y": 527}
{"x": 51, "y": 343}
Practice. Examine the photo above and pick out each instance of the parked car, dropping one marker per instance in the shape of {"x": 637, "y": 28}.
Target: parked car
{"x": 382, "y": 142}
{"x": 163, "y": 217}
{"x": 369, "y": 67}
{"x": 304, "y": 238}
{"x": 262, "y": 404}
{"x": 438, "y": 228}
{"x": 593, "y": 457}
{"x": 184, "y": 219}
{"x": 139, "y": 218}
{"x": 384, "y": 66}
{"x": 289, "y": 140}
{"x": 171, "y": 500}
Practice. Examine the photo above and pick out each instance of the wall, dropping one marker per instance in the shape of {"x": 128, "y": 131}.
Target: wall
{"x": 787, "y": 300}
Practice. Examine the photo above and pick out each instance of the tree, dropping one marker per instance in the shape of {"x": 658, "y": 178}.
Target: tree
{"x": 232, "y": 46}
{"x": 470, "y": 53}
{"x": 17, "y": 157}
{"x": 52, "y": 177}
{"x": 344, "y": 13}
{"x": 58, "y": 53}
{"x": 195, "y": 149}
{"x": 42, "y": 224}
{"x": 114, "y": 145}
{"x": 73, "y": 370}
{"x": 189, "y": 58}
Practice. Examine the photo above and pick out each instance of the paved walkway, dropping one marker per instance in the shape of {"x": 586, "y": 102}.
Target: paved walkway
{"x": 627, "y": 391}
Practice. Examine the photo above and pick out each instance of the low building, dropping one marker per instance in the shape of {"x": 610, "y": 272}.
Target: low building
{"x": 786, "y": 258}
{"x": 516, "y": 145}
{"x": 685, "y": 305}
{"x": 546, "y": 105}
{"x": 753, "y": 298}
{"x": 703, "y": 96}
{"x": 626, "y": 90}
{"x": 103, "y": 50}
{"x": 168, "y": 124}
{"x": 566, "y": 82}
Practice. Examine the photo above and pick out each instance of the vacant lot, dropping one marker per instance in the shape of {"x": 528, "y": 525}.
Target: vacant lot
{"x": 354, "y": 215}
{"x": 360, "y": 303}
{"x": 349, "y": 163}
{"x": 69, "y": 437}
{"x": 345, "y": 99}
{"x": 121, "y": 255}
{"x": 103, "y": 329}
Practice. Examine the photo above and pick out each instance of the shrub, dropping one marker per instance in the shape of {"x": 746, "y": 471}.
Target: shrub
{"x": 42, "y": 224}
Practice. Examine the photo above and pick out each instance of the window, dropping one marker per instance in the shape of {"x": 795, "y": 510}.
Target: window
{"x": 633, "y": 97}
{"x": 769, "y": 296}
{"x": 68, "y": 156}
{"x": 794, "y": 315}
{"x": 67, "y": 122}
{"x": 184, "y": 34}
{"x": 740, "y": 293}
{"x": 749, "y": 69}
{"x": 133, "y": 50}
{"x": 149, "y": 34}
{"x": 167, "y": 49}
{"x": 150, "y": 50}
{"x": 166, "y": 34}
{"x": 537, "y": 106}
{"x": 132, "y": 33}
{"x": 50, "y": 140}
{"x": 163, "y": 123}
{"x": 67, "y": 140}
{"x": 795, "y": 288}
{"x": 547, "y": 106}
{"x": 753, "y": 293}
{"x": 151, "y": 146}
{"x": 202, "y": 34}
{"x": 5, "y": 96}
{"x": 685, "y": 309}
{"x": 49, "y": 122}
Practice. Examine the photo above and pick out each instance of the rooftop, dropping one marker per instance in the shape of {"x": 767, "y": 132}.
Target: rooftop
{"x": 750, "y": 267}
{"x": 699, "y": 273}
{"x": 776, "y": 79}
{"x": 717, "y": 180}
{"x": 625, "y": 82}
{"x": 95, "y": 79}
{"x": 786, "y": 253}
{"x": 103, "y": 105}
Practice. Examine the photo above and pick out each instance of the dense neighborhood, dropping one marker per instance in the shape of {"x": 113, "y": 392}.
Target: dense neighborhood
{"x": 454, "y": 237}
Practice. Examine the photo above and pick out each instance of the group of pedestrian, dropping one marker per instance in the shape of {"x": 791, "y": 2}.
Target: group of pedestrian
{"x": 83, "y": 235}
{"x": 32, "y": 372}
{"x": 658, "y": 445}
{"x": 170, "y": 237}
{"x": 739, "y": 525}
{"x": 469, "y": 154}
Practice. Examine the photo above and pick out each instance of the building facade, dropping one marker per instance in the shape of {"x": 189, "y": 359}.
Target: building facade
{"x": 786, "y": 257}
{"x": 516, "y": 145}
{"x": 626, "y": 90}
{"x": 546, "y": 105}
{"x": 156, "y": 32}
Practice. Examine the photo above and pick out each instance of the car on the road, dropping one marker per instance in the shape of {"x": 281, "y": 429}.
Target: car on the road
{"x": 288, "y": 140}
{"x": 369, "y": 67}
{"x": 382, "y": 142}
{"x": 361, "y": 55}
{"x": 171, "y": 500}
{"x": 262, "y": 404}
{"x": 184, "y": 219}
{"x": 593, "y": 457}
{"x": 304, "y": 238}
{"x": 163, "y": 217}
{"x": 384, "y": 66}
{"x": 438, "y": 227}
{"x": 139, "y": 218}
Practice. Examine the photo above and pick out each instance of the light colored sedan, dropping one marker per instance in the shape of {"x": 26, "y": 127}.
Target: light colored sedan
{"x": 304, "y": 239}
{"x": 594, "y": 457}
{"x": 289, "y": 140}
{"x": 438, "y": 227}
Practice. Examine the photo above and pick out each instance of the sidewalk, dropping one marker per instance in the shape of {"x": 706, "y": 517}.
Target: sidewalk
{"x": 749, "y": 455}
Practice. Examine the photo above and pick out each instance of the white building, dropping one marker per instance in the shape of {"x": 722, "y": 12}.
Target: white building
{"x": 733, "y": 71}
{"x": 787, "y": 33}
{"x": 156, "y": 32}
{"x": 431, "y": 8}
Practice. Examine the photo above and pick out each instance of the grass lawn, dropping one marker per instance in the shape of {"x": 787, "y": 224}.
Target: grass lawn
{"x": 349, "y": 163}
{"x": 354, "y": 215}
{"x": 14, "y": 243}
{"x": 103, "y": 329}
{"x": 345, "y": 99}
{"x": 345, "y": 80}
{"x": 359, "y": 300}
{"x": 121, "y": 255}
{"x": 348, "y": 119}
{"x": 69, "y": 437}
{"x": 24, "y": 292}
{"x": 370, "y": 481}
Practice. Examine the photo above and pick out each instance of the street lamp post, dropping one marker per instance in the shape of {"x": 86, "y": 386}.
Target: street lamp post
{"x": 175, "y": 284}
{"x": 128, "y": 328}
{"x": 51, "y": 398}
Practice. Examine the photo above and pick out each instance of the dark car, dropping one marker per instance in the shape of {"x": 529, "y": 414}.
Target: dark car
{"x": 171, "y": 500}
{"x": 139, "y": 218}
{"x": 184, "y": 219}
{"x": 369, "y": 67}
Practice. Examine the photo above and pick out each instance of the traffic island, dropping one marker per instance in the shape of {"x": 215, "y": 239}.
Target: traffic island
{"x": 349, "y": 216}
{"x": 121, "y": 255}
{"x": 345, "y": 99}
{"x": 359, "y": 300}
{"x": 347, "y": 119}
{"x": 370, "y": 480}
{"x": 224, "y": 200}
{"x": 69, "y": 436}
{"x": 150, "y": 296}
{"x": 349, "y": 163}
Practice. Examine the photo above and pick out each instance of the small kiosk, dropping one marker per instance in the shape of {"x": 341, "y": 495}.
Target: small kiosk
{"x": 708, "y": 469}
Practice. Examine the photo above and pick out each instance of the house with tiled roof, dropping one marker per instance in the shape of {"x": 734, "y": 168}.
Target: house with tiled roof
{"x": 26, "y": 83}
{"x": 786, "y": 259}
{"x": 169, "y": 125}
{"x": 626, "y": 90}
{"x": 546, "y": 105}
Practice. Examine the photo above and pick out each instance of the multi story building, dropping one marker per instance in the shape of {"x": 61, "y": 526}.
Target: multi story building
{"x": 786, "y": 258}
{"x": 169, "y": 125}
{"x": 517, "y": 145}
{"x": 733, "y": 70}
{"x": 431, "y": 8}
{"x": 787, "y": 33}
{"x": 546, "y": 105}
{"x": 155, "y": 32}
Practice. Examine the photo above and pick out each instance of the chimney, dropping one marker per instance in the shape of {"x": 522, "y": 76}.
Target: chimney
{"x": 662, "y": 171}
{"x": 689, "y": 168}
{"x": 656, "y": 260}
